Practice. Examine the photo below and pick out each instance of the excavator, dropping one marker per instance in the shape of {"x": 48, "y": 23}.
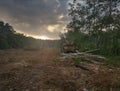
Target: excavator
{"x": 68, "y": 47}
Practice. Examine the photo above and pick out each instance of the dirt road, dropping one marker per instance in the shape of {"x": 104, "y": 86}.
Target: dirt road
{"x": 42, "y": 70}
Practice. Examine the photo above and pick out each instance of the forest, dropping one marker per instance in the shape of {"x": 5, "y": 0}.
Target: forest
{"x": 94, "y": 25}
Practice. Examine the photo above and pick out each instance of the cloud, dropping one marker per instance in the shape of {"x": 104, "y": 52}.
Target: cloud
{"x": 60, "y": 16}
{"x": 35, "y": 17}
{"x": 51, "y": 28}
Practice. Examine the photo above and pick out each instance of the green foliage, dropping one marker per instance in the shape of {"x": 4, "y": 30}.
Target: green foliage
{"x": 10, "y": 39}
{"x": 95, "y": 25}
{"x": 78, "y": 59}
{"x": 4, "y": 44}
{"x": 114, "y": 61}
{"x": 7, "y": 34}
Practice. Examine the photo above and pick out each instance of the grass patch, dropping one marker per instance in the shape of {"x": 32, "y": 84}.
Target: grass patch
{"x": 114, "y": 61}
{"x": 55, "y": 60}
{"x": 78, "y": 59}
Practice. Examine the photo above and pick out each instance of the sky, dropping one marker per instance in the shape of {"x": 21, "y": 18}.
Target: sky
{"x": 43, "y": 19}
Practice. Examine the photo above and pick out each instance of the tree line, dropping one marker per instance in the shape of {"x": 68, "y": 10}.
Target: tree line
{"x": 9, "y": 39}
{"x": 94, "y": 24}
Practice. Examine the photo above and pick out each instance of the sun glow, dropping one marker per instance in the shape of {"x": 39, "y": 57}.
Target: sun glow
{"x": 51, "y": 28}
{"x": 42, "y": 37}
{"x": 61, "y": 17}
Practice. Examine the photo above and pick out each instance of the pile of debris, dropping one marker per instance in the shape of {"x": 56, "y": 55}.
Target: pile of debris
{"x": 86, "y": 61}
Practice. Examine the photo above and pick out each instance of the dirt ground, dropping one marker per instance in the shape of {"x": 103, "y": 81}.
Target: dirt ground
{"x": 42, "y": 70}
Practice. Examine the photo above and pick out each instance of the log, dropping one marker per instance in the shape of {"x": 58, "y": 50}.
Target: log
{"x": 84, "y": 55}
{"x": 88, "y": 66}
{"x": 91, "y": 51}
{"x": 94, "y": 57}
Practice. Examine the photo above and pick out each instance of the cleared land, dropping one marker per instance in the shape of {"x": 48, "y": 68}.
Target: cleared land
{"x": 43, "y": 70}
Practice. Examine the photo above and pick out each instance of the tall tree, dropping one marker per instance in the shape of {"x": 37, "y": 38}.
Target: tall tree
{"x": 99, "y": 18}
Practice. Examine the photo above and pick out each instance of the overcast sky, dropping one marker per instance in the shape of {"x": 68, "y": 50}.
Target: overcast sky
{"x": 38, "y": 18}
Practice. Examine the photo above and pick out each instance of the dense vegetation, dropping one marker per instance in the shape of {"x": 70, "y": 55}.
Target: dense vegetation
{"x": 95, "y": 24}
{"x": 10, "y": 39}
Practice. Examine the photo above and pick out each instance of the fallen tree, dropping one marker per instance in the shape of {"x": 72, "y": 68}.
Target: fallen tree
{"x": 84, "y": 55}
{"x": 87, "y": 61}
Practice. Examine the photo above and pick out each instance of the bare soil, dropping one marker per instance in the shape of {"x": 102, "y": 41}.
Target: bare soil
{"x": 42, "y": 70}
